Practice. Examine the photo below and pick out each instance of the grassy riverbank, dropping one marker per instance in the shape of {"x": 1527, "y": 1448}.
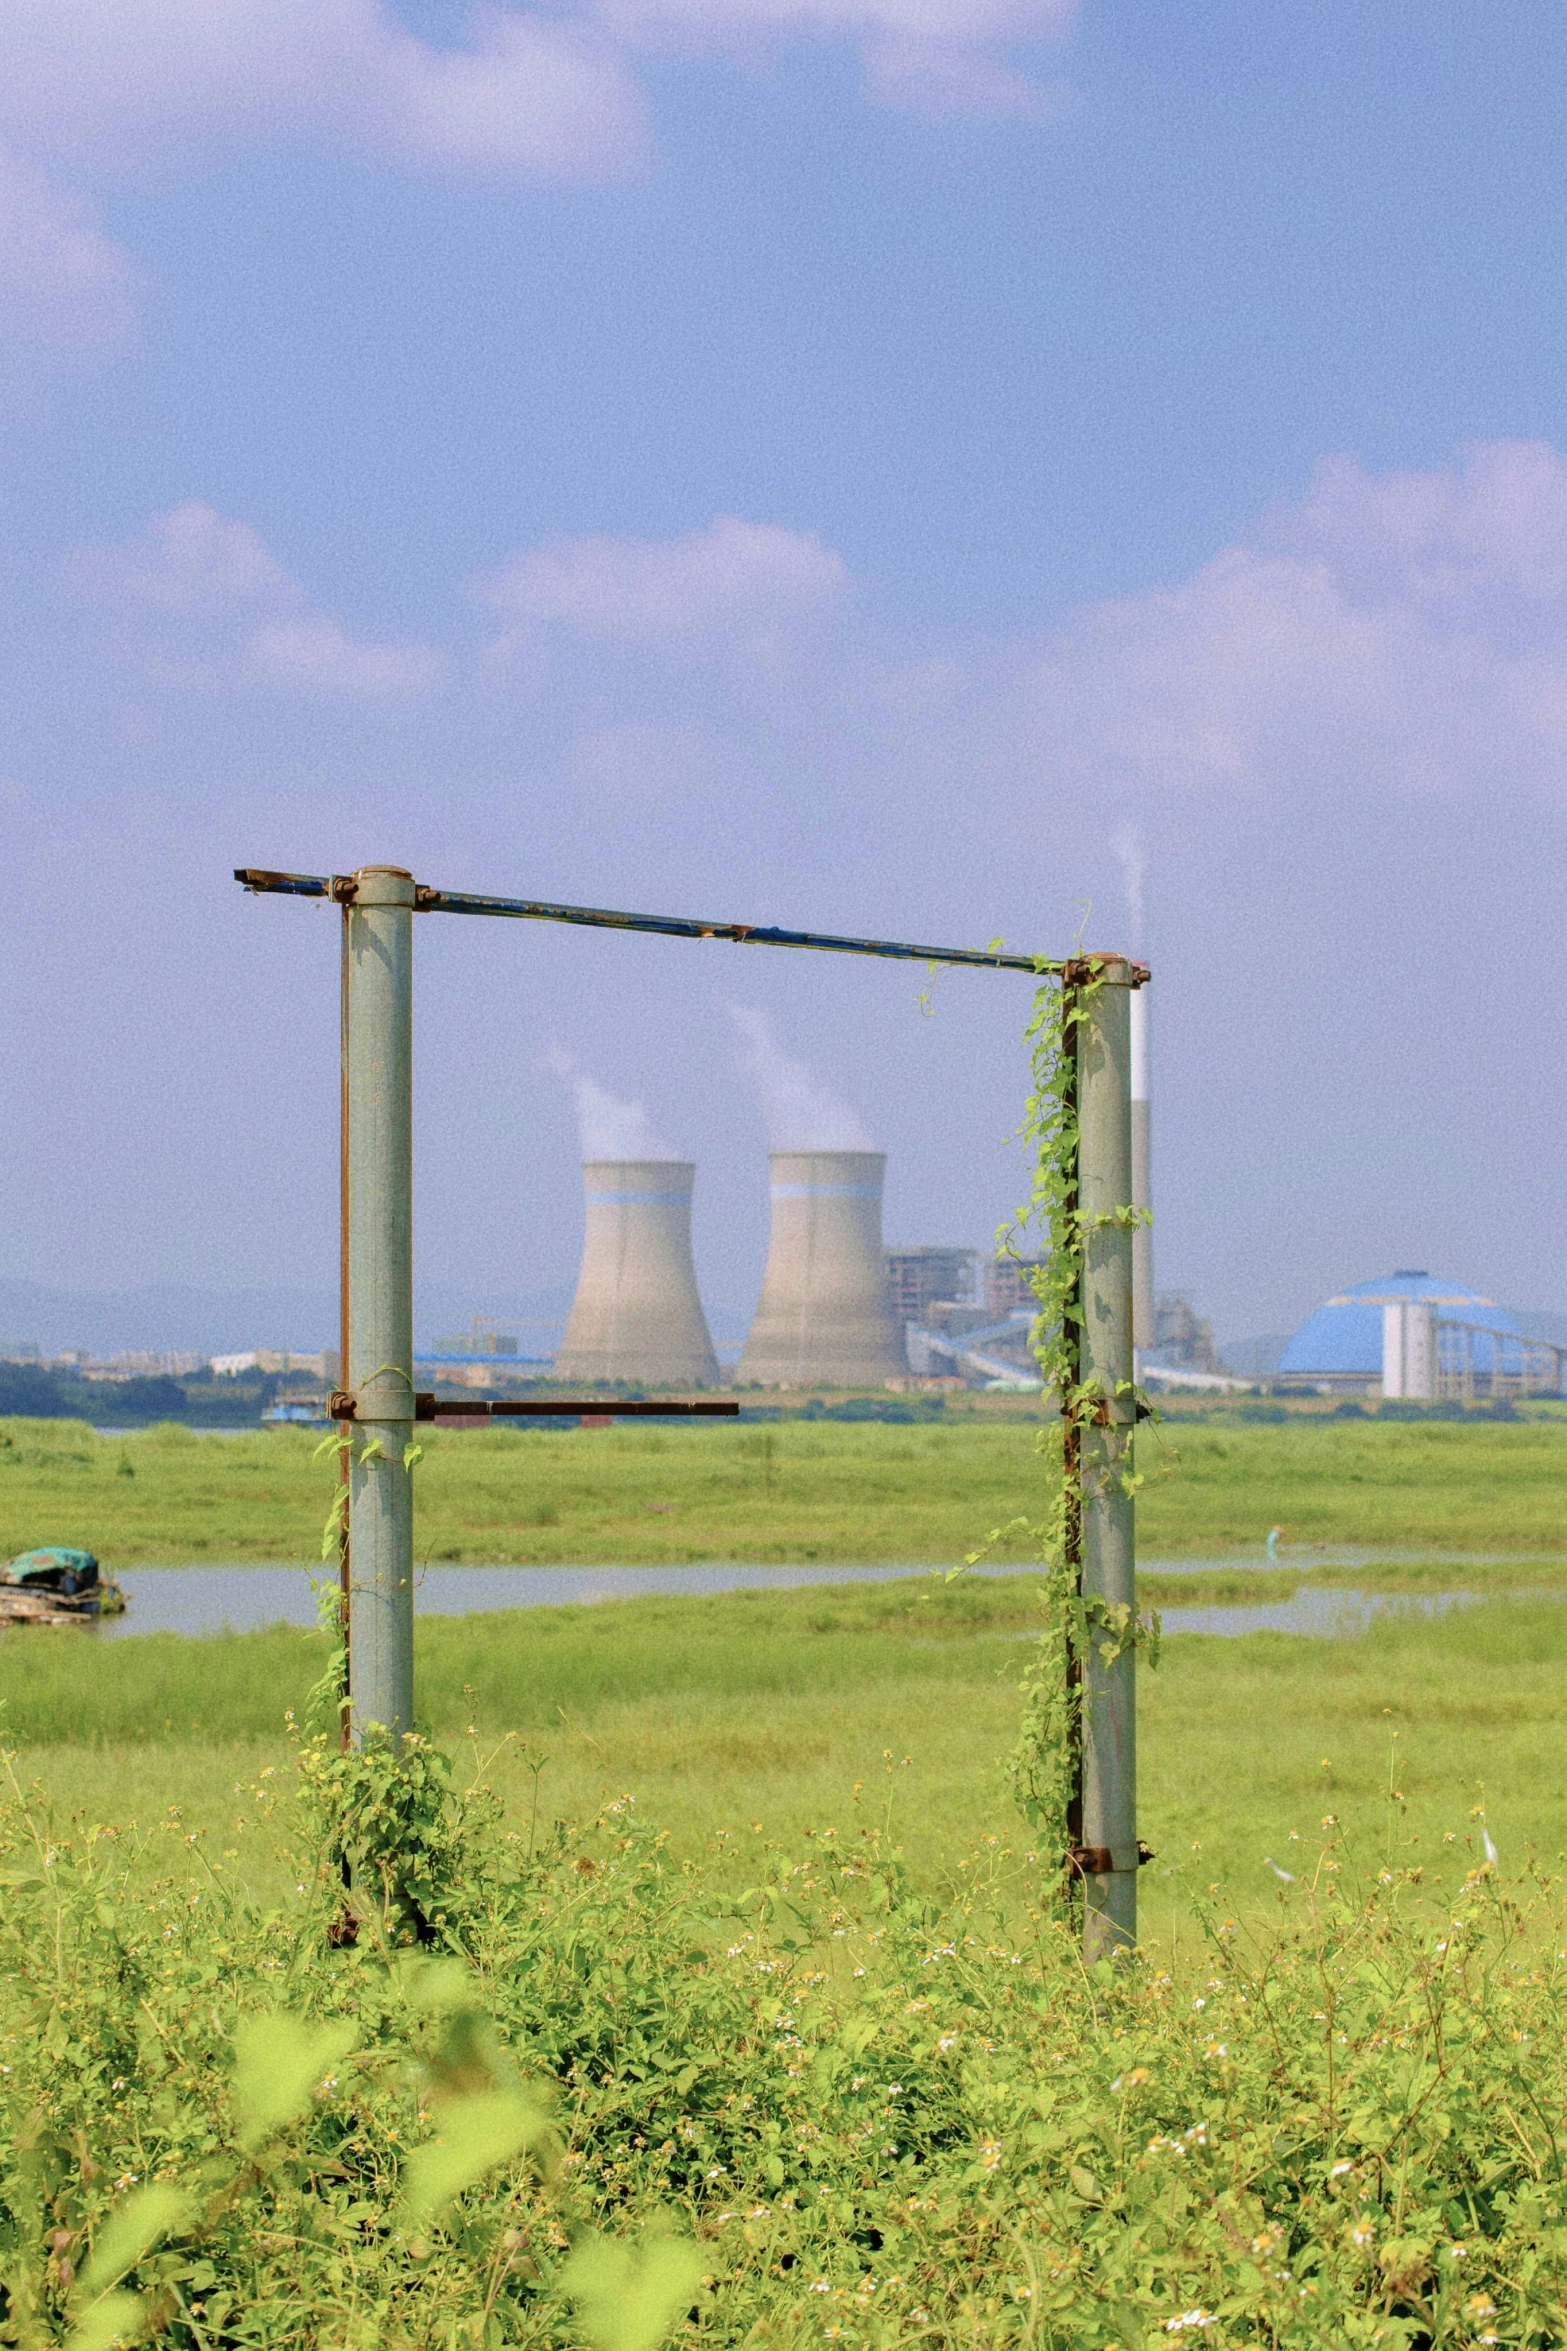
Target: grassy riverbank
{"x": 755, "y": 1717}
{"x": 799, "y": 1491}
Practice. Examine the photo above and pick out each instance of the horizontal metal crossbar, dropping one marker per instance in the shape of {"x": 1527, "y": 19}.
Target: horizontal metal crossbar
{"x": 343, "y": 1405}
{"x": 669, "y": 926}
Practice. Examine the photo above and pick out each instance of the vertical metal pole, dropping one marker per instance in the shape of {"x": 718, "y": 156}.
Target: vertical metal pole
{"x": 1143, "y": 1329}
{"x": 345, "y": 1428}
{"x": 1109, "y": 1558}
{"x": 380, "y": 1293}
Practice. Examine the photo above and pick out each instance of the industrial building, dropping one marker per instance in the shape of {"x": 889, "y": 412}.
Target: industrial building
{"x": 919, "y": 1279}
{"x": 1009, "y": 1285}
{"x": 637, "y": 1315}
{"x": 1182, "y": 1338}
{"x": 1415, "y": 1335}
{"x": 825, "y": 1314}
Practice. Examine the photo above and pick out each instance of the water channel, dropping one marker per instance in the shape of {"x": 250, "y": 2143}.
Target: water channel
{"x": 204, "y": 1600}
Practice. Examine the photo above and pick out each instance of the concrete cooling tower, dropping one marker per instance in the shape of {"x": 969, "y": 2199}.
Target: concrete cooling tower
{"x": 825, "y": 1314}
{"x": 637, "y": 1315}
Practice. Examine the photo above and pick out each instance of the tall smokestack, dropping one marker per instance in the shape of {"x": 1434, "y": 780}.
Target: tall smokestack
{"x": 1127, "y": 842}
{"x": 825, "y": 1314}
{"x": 1142, "y": 1175}
{"x": 637, "y": 1315}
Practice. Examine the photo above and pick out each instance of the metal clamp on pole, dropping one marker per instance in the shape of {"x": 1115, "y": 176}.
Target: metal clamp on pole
{"x": 1097, "y": 1861}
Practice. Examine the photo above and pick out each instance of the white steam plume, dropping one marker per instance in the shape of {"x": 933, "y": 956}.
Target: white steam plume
{"x": 1127, "y": 842}
{"x": 609, "y": 1128}
{"x": 800, "y": 1114}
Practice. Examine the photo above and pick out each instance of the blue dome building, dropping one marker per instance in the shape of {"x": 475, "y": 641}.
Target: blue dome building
{"x": 1342, "y": 1341}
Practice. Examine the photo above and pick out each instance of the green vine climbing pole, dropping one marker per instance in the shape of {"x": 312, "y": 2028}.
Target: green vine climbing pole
{"x": 1046, "y": 1766}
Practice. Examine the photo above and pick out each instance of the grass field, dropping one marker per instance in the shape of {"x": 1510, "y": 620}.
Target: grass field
{"x": 798, "y": 1492}
{"x": 755, "y": 1719}
{"x": 771, "y": 1707}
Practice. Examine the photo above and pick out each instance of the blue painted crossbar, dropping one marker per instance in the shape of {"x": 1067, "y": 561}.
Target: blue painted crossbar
{"x": 669, "y": 926}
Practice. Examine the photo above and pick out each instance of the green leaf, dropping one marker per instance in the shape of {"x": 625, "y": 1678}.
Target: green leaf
{"x": 629, "y": 2296}
{"x": 131, "y": 2230}
{"x": 278, "y": 2062}
{"x": 113, "y": 2320}
{"x": 475, "y": 2136}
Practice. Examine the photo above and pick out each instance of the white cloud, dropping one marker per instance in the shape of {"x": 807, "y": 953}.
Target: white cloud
{"x": 525, "y": 95}
{"x": 316, "y": 653}
{"x": 1405, "y": 631}
{"x": 534, "y": 97}
{"x": 734, "y": 575}
{"x": 62, "y": 281}
{"x": 229, "y": 610}
{"x": 189, "y": 560}
{"x": 940, "y": 57}
{"x": 1496, "y": 520}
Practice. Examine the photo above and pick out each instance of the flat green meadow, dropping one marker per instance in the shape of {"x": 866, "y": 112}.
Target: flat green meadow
{"x": 782, "y": 1708}
{"x": 797, "y": 1491}
{"x": 753, "y": 1718}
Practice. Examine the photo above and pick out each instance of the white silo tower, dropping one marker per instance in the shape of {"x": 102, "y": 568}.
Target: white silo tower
{"x": 637, "y": 1315}
{"x": 825, "y": 1314}
{"x": 1144, "y": 1325}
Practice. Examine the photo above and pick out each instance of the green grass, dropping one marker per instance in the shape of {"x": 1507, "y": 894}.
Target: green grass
{"x": 811, "y": 1709}
{"x": 771, "y": 1707}
{"x": 797, "y": 1492}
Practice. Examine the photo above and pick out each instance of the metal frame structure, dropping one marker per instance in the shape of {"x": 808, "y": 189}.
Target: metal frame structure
{"x": 378, "y": 1397}
{"x": 1518, "y": 1367}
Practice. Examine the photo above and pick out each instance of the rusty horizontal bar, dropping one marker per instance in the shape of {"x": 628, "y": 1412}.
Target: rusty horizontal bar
{"x": 342, "y": 1405}
{"x": 669, "y": 926}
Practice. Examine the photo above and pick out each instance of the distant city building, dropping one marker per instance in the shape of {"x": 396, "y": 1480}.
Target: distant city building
{"x": 20, "y": 1351}
{"x": 319, "y": 1363}
{"x": 922, "y": 1278}
{"x": 485, "y": 1337}
{"x": 1182, "y": 1338}
{"x": 143, "y": 1363}
{"x": 1009, "y": 1286}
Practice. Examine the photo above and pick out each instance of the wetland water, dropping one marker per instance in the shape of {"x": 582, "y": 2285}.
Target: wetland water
{"x": 197, "y": 1600}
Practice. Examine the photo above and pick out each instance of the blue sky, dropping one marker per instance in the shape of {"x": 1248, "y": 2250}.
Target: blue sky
{"x": 887, "y": 464}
